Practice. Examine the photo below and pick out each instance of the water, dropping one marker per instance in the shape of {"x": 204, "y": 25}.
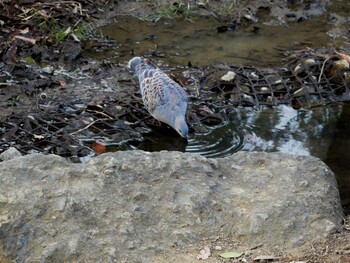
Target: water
{"x": 338, "y": 157}
{"x": 321, "y": 132}
{"x": 179, "y": 41}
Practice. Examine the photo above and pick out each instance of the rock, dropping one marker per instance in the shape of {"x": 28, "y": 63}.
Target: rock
{"x": 229, "y": 76}
{"x": 10, "y": 153}
{"x": 131, "y": 206}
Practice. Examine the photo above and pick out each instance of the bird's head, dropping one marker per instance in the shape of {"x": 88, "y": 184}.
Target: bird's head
{"x": 181, "y": 127}
{"x": 134, "y": 64}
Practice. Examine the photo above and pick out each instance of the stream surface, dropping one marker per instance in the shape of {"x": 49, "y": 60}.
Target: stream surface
{"x": 322, "y": 132}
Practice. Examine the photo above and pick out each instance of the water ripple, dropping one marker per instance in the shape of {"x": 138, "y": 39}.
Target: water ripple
{"x": 220, "y": 141}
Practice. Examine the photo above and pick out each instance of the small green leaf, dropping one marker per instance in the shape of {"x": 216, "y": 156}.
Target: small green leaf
{"x": 29, "y": 60}
{"x": 231, "y": 254}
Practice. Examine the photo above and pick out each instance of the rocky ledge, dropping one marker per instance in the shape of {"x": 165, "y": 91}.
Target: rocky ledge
{"x": 130, "y": 206}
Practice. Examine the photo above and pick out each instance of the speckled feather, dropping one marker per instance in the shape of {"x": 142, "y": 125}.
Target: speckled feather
{"x": 164, "y": 99}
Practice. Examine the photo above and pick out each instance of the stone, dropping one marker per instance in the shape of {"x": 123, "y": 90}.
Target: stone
{"x": 9, "y": 154}
{"x": 132, "y": 206}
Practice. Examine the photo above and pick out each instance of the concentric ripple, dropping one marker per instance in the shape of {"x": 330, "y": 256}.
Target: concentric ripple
{"x": 219, "y": 141}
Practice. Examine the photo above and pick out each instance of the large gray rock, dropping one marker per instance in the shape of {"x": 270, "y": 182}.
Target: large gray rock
{"x": 130, "y": 206}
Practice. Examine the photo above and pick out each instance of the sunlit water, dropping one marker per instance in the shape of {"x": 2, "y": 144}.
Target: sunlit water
{"x": 318, "y": 132}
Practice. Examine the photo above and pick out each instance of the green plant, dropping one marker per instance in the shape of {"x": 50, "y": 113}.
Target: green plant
{"x": 62, "y": 34}
{"x": 228, "y": 8}
{"x": 29, "y": 60}
{"x": 177, "y": 9}
{"x": 57, "y": 31}
{"x": 183, "y": 9}
{"x": 82, "y": 31}
{"x": 46, "y": 23}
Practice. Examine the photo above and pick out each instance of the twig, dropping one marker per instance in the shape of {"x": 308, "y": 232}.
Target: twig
{"x": 87, "y": 126}
{"x": 322, "y": 69}
{"x": 100, "y": 112}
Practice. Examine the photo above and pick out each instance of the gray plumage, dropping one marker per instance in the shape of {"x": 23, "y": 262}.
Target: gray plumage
{"x": 164, "y": 99}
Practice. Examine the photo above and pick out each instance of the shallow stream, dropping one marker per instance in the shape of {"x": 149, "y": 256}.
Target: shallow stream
{"x": 322, "y": 132}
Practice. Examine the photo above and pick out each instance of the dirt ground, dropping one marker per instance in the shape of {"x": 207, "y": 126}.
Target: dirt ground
{"x": 36, "y": 33}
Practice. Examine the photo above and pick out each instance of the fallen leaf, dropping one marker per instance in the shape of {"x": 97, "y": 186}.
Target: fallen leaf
{"x": 62, "y": 82}
{"x": 67, "y": 31}
{"x": 231, "y": 254}
{"x": 218, "y": 247}
{"x": 265, "y": 258}
{"x": 206, "y": 109}
{"x": 344, "y": 56}
{"x": 43, "y": 13}
{"x": 39, "y": 136}
{"x": 98, "y": 148}
{"x": 29, "y": 60}
{"x": 26, "y": 39}
{"x": 10, "y": 54}
{"x": 76, "y": 39}
{"x": 204, "y": 253}
{"x": 24, "y": 31}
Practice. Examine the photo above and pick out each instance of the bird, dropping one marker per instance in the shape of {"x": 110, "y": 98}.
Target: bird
{"x": 163, "y": 98}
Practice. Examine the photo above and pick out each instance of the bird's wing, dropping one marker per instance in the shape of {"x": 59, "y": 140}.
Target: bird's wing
{"x": 152, "y": 89}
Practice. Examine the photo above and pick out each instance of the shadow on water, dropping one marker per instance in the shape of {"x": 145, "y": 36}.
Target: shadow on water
{"x": 322, "y": 132}
{"x": 338, "y": 156}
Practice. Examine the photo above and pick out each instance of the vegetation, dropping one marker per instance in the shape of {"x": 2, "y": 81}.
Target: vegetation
{"x": 47, "y": 18}
{"x": 169, "y": 11}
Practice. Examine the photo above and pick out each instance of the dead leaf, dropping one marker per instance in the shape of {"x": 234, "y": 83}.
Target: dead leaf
{"x": 44, "y": 13}
{"x": 98, "y": 148}
{"x": 76, "y": 39}
{"x": 344, "y": 56}
{"x": 27, "y": 39}
{"x": 265, "y": 258}
{"x": 206, "y": 109}
{"x": 231, "y": 254}
{"x": 39, "y": 137}
{"x": 24, "y": 31}
{"x": 67, "y": 31}
{"x": 204, "y": 253}
{"x": 10, "y": 54}
{"x": 62, "y": 82}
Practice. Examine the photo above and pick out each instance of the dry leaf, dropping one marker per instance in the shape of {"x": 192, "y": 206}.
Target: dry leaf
{"x": 76, "y": 39}
{"x": 258, "y": 258}
{"x": 343, "y": 56}
{"x": 204, "y": 253}
{"x": 24, "y": 31}
{"x": 98, "y": 148}
{"x": 39, "y": 136}
{"x": 62, "y": 82}
{"x": 26, "y": 39}
{"x": 231, "y": 254}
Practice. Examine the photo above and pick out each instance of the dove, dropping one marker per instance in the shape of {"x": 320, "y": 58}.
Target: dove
{"x": 163, "y": 98}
